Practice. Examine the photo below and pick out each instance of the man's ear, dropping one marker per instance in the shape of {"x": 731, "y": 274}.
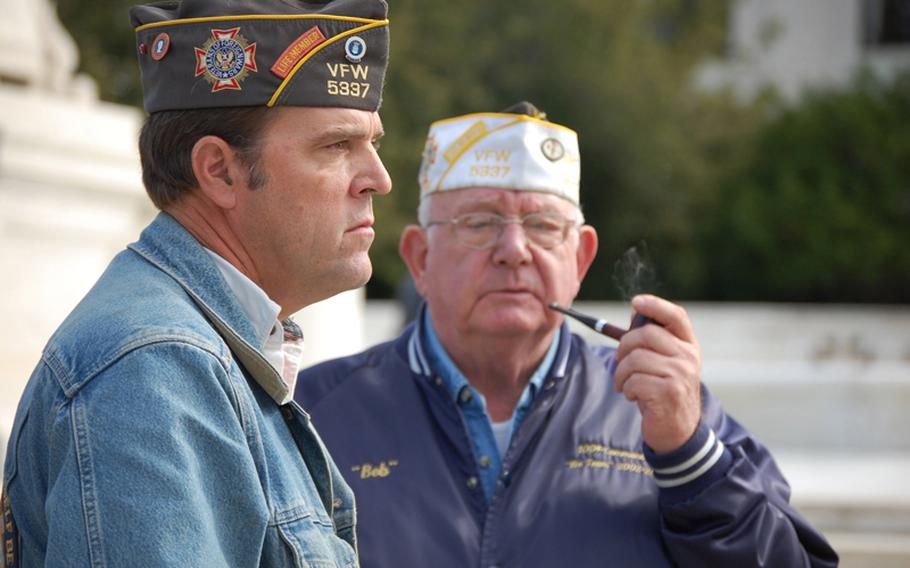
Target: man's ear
{"x": 413, "y": 250}
{"x": 218, "y": 171}
{"x": 587, "y": 250}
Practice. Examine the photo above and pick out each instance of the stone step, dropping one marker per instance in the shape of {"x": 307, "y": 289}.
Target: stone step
{"x": 879, "y": 550}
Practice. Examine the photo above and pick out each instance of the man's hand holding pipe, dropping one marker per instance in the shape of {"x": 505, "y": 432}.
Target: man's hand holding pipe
{"x": 659, "y": 368}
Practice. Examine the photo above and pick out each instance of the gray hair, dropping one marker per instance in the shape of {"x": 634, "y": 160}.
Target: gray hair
{"x": 423, "y": 211}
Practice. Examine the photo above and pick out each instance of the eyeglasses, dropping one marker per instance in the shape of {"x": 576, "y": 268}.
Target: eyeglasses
{"x": 483, "y": 230}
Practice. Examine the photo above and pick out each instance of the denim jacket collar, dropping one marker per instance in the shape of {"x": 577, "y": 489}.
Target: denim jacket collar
{"x": 259, "y": 308}
{"x": 169, "y": 246}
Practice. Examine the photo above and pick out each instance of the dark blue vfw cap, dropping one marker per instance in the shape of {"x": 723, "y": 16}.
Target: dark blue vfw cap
{"x": 235, "y": 53}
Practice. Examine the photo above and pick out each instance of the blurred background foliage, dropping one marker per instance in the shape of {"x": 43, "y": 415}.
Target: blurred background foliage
{"x": 821, "y": 209}
{"x": 735, "y": 200}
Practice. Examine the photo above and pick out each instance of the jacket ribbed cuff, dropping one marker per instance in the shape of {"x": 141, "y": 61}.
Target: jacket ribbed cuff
{"x": 687, "y": 470}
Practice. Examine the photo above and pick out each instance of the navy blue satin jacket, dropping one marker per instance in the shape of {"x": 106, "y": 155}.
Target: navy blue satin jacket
{"x": 577, "y": 487}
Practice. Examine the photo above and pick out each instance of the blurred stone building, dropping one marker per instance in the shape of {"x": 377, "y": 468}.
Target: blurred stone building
{"x": 794, "y": 45}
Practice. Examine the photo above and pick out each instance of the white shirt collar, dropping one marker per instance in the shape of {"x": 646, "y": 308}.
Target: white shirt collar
{"x": 259, "y": 308}
{"x": 284, "y": 356}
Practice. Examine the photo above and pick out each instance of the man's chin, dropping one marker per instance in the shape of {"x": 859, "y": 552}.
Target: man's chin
{"x": 505, "y": 322}
{"x": 361, "y": 270}
{"x": 351, "y": 275}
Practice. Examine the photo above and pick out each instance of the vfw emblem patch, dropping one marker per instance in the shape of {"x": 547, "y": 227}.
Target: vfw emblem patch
{"x": 226, "y": 59}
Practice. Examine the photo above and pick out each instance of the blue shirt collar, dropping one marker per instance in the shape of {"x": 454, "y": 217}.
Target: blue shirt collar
{"x": 437, "y": 359}
{"x": 426, "y": 354}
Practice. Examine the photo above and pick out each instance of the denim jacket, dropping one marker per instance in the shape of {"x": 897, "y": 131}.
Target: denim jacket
{"x": 149, "y": 435}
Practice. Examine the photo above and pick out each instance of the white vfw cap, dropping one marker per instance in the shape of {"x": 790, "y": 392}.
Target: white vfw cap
{"x": 502, "y": 150}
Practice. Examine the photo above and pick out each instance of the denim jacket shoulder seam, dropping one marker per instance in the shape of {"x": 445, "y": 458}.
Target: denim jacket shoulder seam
{"x": 72, "y": 385}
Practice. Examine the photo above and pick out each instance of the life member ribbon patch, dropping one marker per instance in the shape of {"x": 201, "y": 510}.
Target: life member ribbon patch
{"x": 300, "y": 47}
{"x": 10, "y": 535}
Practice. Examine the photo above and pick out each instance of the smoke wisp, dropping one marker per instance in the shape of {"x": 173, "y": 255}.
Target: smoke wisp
{"x": 634, "y": 272}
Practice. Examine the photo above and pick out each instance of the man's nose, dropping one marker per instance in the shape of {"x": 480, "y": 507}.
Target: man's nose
{"x": 374, "y": 177}
{"x": 512, "y": 247}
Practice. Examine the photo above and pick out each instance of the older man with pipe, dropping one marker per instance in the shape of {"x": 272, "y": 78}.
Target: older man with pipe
{"x": 489, "y": 435}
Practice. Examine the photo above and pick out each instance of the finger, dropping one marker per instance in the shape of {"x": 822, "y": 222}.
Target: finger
{"x": 641, "y": 388}
{"x": 650, "y": 337}
{"x": 659, "y": 397}
{"x": 639, "y": 361}
{"x": 684, "y": 368}
{"x": 672, "y": 316}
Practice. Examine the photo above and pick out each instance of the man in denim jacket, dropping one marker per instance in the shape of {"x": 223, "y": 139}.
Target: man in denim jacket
{"x": 158, "y": 428}
{"x": 488, "y": 435}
